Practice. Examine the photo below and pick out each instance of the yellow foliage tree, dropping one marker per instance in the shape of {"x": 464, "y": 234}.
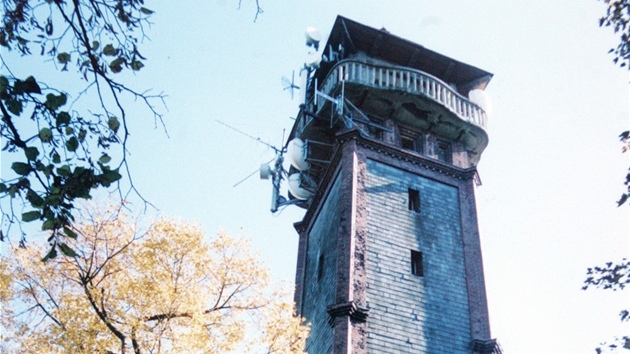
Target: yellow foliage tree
{"x": 166, "y": 290}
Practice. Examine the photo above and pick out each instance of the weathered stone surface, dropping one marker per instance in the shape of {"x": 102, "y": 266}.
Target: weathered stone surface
{"x": 414, "y": 314}
{"x": 363, "y": 297}
{"x": 318, "y": 289}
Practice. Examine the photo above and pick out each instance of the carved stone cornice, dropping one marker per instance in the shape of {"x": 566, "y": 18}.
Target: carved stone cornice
{"x": 385, "y": 150}
{"x": 406, "y": 155}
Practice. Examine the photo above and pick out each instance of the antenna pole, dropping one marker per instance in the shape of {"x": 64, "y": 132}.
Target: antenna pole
{"x": 247, "y": 135}
{"x": 276, "y": 178}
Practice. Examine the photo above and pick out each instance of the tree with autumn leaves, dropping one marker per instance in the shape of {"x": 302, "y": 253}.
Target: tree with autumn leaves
{"x": 164, "y": 290}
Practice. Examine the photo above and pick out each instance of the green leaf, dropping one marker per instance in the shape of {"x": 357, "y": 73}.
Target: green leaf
{"x": 19, "y": 87}
{"x": 48, "y": 224}
{"x": 3, "y": 188}
{"x": 113, "y": 123}
{"x": 31, "y": 216}
{"x": 63, "y": 118}
{"x": 52, "y": 254}
{"x": 13, "y": 190}
{"x": 64, "y": 171}
{"x": 136, "y": 65}
{"x": 4, "y": 84}
{"x": 82, "y": 134}
{"x": 63, "y": 58}
{"x": 31, "y": 86}
{"x": 72, "y": 144}
{"x": 56, "y": 158}
{"x": 69, "y": 232}
{"x": 45, "y": 135}
{"x": 31, "y": 153}
{"x": 35, "y": 199}
{"x": 146, "y": 11}
{"x": 69, "y": 131}
{"x": 14, "y": 106}
{"x": 67, "y": 250}
{"x": 116, "y": 64}
{"x": 48, "y": 170}
{"x": 21, "y": 168}
{"x": 110, "y": 50}
{"x": 55, "y": 101}
{"x": 108, "y": 177}
{"x": 105, "y": 158}
{"x": 95, "y": 45}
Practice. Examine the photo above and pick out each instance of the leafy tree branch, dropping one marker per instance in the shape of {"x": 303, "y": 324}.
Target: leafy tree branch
{"x": 64, "y": 150}
{"x": 618, "y": 18}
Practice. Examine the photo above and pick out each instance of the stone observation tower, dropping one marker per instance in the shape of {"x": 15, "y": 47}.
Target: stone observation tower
{"x": 383, "y": 155}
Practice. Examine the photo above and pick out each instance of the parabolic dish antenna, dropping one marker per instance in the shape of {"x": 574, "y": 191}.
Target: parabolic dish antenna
{"x": 265, "y": 171}
{"x": 313, "y": 60}
{"x": 313, "y": 37}
{"x": 481, "y": 99}
{"x": 295, "y": 187}
{"x": 297, "y": 154}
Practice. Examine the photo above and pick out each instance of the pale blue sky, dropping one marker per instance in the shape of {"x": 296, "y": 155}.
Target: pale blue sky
{"x": 551, "y": 173}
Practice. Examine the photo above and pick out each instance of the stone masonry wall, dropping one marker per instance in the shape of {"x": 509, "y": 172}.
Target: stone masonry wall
{"x": 409, "y": 313}
{"x": 319, "y": 280}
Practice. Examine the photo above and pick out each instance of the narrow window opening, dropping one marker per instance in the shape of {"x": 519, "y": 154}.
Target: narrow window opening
{"x": 416, "y": 263}
{"x": 320, "y": 267}
{"x": 443, "y": 151}
{"x": 408, "y": 143}
{"x": 414, "y": 200}
{"x": 376, "y": 133}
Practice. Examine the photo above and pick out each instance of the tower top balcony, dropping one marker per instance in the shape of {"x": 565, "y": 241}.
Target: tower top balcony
{"x": 351, "y": 39}
{"x": 388, "y": 78}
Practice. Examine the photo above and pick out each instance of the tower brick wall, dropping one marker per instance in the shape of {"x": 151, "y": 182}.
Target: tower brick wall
{"x": 320, "y": 270}
{"x": 410, "y": 313}
{"x": 355, "y": 255}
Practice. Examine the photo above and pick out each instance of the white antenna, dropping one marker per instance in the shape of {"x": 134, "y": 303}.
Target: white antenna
{"x": 481, "y": 99}
{"x": 297, "y": 151}
{"x": 247, "y": 135}
{"x": 313, "y": 37}
{"x": 289, "y": 85}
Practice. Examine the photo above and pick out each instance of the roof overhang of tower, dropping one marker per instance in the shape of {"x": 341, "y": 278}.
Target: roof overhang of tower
{"x": 356, "y": 38}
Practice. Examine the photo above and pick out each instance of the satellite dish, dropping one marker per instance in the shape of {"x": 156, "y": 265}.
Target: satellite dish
{"x": 297, "y": 154}
{"x": 295, "y": 182}
{"x": 313, "y": 37}
{"x": 481, "y": 99}
{"x": 265, "y": 171}
{"x": 313, "y": 60}
{"x": 290, "y": 85}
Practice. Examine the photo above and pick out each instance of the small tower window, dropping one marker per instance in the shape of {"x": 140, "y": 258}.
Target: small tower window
{"x": 416, "y": 263}
{"x": 443, "y": 151}
{"x": 408, "y": 143}
{"x": 320, "y": 267}
{"x": 376, "y": 133}
{"x": 414, "y": 200}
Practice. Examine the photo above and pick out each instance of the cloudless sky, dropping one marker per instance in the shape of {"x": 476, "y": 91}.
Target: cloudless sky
{"x": 551, "y": 173}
